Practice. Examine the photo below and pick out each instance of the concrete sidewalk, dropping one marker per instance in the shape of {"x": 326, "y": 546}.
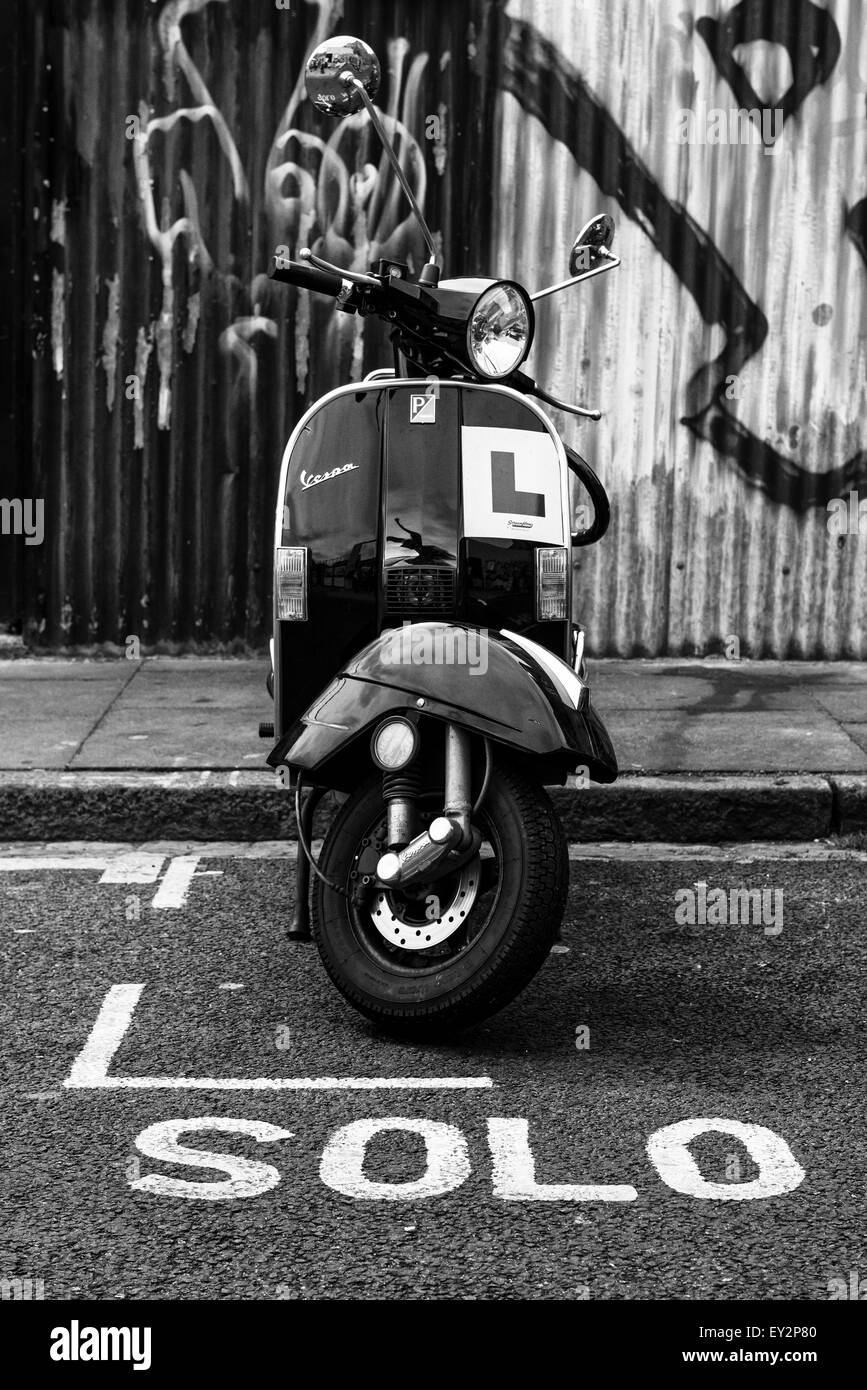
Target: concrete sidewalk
{"x": 167, "y": 747}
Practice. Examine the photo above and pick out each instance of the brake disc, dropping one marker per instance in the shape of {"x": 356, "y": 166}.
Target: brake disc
{"x": 406, "y": 922}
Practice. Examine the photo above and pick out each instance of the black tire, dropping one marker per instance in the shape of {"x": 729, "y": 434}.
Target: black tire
{"x": 504, "y": 941}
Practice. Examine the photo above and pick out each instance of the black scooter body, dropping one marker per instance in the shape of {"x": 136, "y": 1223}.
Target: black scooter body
{"x": 426, "y": 504}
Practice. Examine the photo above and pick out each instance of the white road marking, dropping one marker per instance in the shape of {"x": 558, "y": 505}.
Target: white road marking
{"x": 89, "y": 1071}
{"x": 70, "y": 854}
{"x": 55, "y": 855}
{"x": 779, "y": 1170}
{"x": 120, "y": 865}
{"x": 514, "y": 1171}
{"x": 21, "y": 863}
{"x": 172, "y": 892}
{"x": 286, "y": 1083}
{"x": 112, "y": 1021}
{"x": 134, "y": 868}
{"x": 745, "y": 853}
{"x": 447, "y": 1160}
{"x": 247, "y": 1177}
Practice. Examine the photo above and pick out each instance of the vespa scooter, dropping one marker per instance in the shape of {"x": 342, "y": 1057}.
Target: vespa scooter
{"x": 424, "y": 660}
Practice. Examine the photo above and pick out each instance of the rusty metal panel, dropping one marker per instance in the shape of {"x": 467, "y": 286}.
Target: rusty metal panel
{"x": 164, "y": 152}
{"x": 729, "y": 350}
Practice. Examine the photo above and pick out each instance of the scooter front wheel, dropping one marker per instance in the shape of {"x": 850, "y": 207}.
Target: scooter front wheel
{"x": 443, "y": 955}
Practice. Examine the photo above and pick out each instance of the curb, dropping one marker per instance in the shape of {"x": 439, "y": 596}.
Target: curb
{"x": 209, "y": 806}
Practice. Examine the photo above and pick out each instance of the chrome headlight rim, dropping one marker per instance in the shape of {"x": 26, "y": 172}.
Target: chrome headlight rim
{"x": 489, "y": 290}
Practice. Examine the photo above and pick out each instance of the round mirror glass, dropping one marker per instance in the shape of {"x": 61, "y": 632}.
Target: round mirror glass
{"x": 326, "y": 71}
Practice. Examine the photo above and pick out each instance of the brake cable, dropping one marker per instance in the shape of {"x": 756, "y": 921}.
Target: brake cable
{"x": 489, "y": 762}
{"x": 307, "y": 849}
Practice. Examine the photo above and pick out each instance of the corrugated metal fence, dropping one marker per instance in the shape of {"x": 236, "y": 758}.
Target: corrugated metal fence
{"x": 162, "y": 151}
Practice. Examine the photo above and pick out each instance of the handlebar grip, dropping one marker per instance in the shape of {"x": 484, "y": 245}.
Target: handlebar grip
{"x": 307, "y": 277}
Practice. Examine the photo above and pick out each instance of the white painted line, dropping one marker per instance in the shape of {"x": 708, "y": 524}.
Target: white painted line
{"x": 287, "y": 1083}
{"x": 24, "y": 864}
{"x": 23, "y": 855}
{"x": 172, "y": 892}
{"x": 747, "y": 853}
{"x": 27, "y": 853}
{"x": 120, "y": 865}
{"x": 112, "y": 1021}
{"x": 89, "y": 1071}
{"x": 134, "y": 868}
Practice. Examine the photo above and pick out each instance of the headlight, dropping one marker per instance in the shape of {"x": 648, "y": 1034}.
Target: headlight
{"x": 394, "y": 744}
{"x": 500, "y": 331}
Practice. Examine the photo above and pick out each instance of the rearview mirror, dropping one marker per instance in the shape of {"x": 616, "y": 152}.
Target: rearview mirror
{"x": 327, "y": 70}
{"x": 591, "y": 243}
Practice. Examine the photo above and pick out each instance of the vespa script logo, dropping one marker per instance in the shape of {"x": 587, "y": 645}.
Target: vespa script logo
{"x": 307, "y": 482}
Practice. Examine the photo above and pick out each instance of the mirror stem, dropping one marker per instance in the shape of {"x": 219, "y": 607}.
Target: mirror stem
{"x": 372, "y": 112}
{"x": 608, "y": 264}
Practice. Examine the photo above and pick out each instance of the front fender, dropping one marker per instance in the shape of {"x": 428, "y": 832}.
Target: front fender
{"x": 499, "y": 685}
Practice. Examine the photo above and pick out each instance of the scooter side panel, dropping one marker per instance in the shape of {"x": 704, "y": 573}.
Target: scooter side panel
{"x": 331, "y": 504}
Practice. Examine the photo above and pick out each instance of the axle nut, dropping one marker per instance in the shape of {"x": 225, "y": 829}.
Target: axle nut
{"x": 388, "y": 869}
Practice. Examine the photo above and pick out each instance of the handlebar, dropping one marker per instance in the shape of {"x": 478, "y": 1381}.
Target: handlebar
{"x": 306, "y": 277}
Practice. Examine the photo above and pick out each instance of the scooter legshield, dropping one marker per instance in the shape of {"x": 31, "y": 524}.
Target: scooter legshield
{"x": 509, "y": 690}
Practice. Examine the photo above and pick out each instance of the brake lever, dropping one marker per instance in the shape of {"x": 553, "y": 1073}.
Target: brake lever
{"x": 356, "y": 278}
{"x": 527, "y": 384}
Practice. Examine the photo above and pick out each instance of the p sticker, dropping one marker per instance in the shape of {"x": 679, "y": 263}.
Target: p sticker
{"x": 423, "y": 410}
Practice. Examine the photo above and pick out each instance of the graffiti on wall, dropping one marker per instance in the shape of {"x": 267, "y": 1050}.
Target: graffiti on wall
{"x": 331, "y": 194}
{"x": 220, "y": 174}
{"x": 336, "y": 195}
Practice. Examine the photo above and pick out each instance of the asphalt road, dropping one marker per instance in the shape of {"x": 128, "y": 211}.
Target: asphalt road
{"x": 738, "y": 1023}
